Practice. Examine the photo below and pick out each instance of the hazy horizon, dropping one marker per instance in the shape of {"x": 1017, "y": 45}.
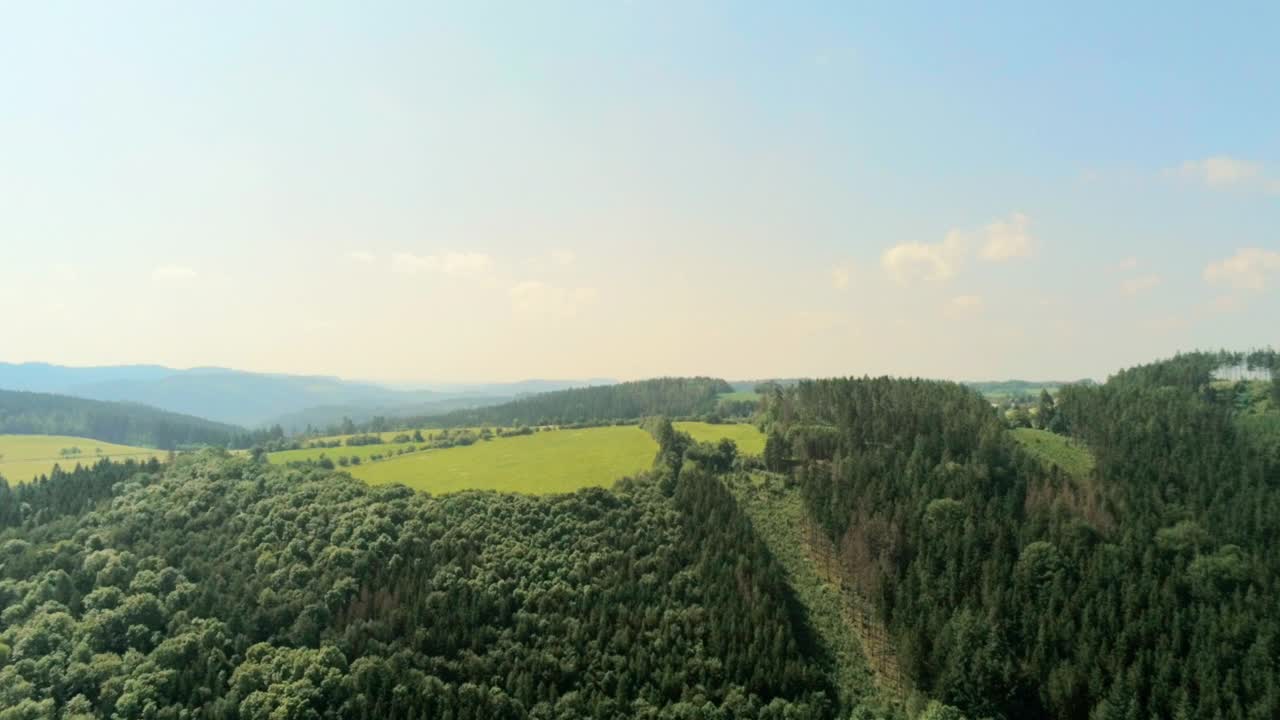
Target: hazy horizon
{"x": 428, "y": 383}
{"x": 467, "y": 194}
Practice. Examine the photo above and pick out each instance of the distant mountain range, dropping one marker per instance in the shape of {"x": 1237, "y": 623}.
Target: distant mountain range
{"x": 256, "y": 399}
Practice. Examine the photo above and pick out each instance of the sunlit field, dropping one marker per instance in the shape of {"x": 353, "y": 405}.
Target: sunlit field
{"x": 749, "y": 440}
{"x": 24, "y": 457}
{"x": 364, "y": 452}
{"x": 553, "y": 461}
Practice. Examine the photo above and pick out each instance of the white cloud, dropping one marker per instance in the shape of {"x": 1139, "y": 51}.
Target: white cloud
{"x": 450, "y": 263}
{"x": 1008, "y": 238}
{"x": 1222, "y": 172}
{"x": 1140, "y": 284}
{"x": 999, "y": 240}
{"x": 1125, "y": 265}
{"x": 563, "y": 257}
{"x": 1218, "y": 171}
{"x": 172, "y": 273}
{"x": 538, "y": 298}
{"x": 1248, "y": 269}
{"x": 912, "y": 261}
{"x": 963, "y": 305}
{"x": 362, "y": 257}
{"x": 840, "y": 276}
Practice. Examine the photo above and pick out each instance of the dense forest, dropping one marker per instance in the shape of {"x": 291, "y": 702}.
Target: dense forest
{"x": 1144, "y": 586}
{"x": 671, "y": 397}
{"x": 27, "y": 413}
{"x": 221, "y": 587}
{"x": 1146, "y": 589}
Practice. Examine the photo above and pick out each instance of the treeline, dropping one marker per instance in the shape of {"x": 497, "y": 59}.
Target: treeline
{"x": 65, "y": 492}
{"x": 671, "y": 397}
{"x": 221, "y": 587}
{"x": 26, "y": 413}
{"x": 1012, "y": 590}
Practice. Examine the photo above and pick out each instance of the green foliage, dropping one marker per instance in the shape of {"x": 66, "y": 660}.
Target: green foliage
{"x": 1012, "y": 588}
{"x": 938, "y": 711}
{"x": 672, "y": 397}
{"x": 777, "y": 513}
{"x": 224, "y": 588}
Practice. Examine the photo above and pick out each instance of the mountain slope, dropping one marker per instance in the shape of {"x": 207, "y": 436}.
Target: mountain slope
{"x": 673, "y": 397}
{"x": 257, "y": 399}
{"x": 27, "y": 413}
{"x": 201, "y": 590}
{"x": 1013, "y": 588}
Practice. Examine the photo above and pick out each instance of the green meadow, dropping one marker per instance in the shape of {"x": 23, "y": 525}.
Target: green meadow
{"x": 553, "y": 461}
{"x": 24, "y": 457}
{"x": 550, "y": 461}
{"x": 361, "y": 451}
{"x": 750, "y": 441}
{"x": 1071, "y": 456}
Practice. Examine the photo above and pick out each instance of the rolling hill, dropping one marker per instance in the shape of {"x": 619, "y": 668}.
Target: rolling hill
{"x": 31, "y": 413}
{"x": 673, "y": 397}
{"x": 256, "y": 399}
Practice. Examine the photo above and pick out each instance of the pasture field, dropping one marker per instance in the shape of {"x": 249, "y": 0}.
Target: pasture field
{"x": 387, "y": 437}
{"x": 24, "y": 457}
{"x": 750, "y": 440}
{"x": 361, "y": 451}
{"x": 1074, "y": 458}
{"x": 364, "y": 452}
{"x": 555, "y": 461}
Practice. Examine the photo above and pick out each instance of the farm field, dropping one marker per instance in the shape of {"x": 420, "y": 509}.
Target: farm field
{"x": 1072, "y": 457}
{"x": 361, "y": 451}
{"x": 387, "y": 436}
{"x": 750, "y": 440}
{"x": 546, "y": 462}
{"x": 24, "y": 457}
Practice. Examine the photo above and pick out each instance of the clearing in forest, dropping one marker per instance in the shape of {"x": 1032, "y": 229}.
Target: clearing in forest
{"x": 777, "y": 514}
{"x": 551, "y": 461}
{"x": 749, "y": 439}
{"x": 1068, "y": 454}
{"x": 24, "y": 457}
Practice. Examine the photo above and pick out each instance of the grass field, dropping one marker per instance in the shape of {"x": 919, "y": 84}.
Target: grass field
{"x": 750, "y": 440}
{"x": 24, "y": 457}
{"x": 387, "y": 437}
{"x": 547, "y": 462}
{"x": 361, "y": 451}
{"x": 1072, "y": 457}
{"x": 739, "y": 396}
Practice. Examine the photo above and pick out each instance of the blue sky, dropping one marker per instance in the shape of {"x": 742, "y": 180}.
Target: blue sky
{"x": 506, "y": 190}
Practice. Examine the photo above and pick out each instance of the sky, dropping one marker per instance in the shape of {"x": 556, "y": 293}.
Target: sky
{"x": 495, "y": 191}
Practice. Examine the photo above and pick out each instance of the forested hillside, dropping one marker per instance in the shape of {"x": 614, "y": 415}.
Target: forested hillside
{"x": 672, "y": 397}
{"x": 226, "y": 588}
{"x": 29, "y": 413}
{"x": 1011, "y": 589}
